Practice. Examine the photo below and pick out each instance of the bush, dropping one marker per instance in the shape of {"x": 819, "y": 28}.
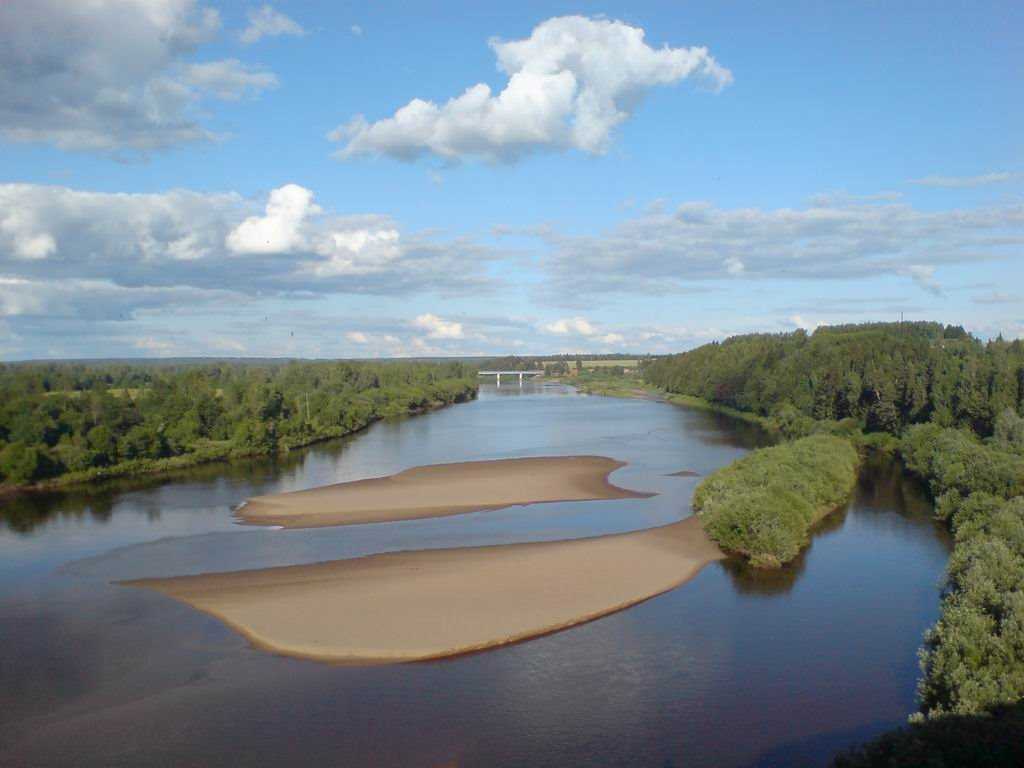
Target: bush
{"x": 954, "y": 460}
{"x": 992, "y": 740}
{"x": 764, "y": 505}
{"x": 974, "y": 656}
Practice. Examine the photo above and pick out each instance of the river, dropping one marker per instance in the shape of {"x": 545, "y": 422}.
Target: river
{"x": 734, "y": 668}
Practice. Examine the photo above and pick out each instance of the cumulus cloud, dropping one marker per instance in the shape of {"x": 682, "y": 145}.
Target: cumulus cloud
{"x": 279, "y": 231}
{"x": 798, "y": 321}
{"x": 112, "y": 75}
{"x": 267, "y": 22}
{"x": 438, "y": 328}
{"x": 95, "y": 252}
{"x": 570, "y": 83}
{"x": 965, "y": 182}
{"x": 571, "y": 325}
{"x": 673, "y": 251}
{"x": 364, "y": 247}
{"x": 357, "y": 337}
{"x": 595, "y": 336}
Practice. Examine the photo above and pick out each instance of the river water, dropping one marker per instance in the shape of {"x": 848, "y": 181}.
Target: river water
{"x": 734, "y": 668}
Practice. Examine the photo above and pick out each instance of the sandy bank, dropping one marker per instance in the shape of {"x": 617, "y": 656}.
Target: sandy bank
{"x": 428, "y": 604}
{"x": 441, "y": 489}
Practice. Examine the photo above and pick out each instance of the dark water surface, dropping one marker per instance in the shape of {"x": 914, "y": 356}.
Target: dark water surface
{"x": 735, "y": 668}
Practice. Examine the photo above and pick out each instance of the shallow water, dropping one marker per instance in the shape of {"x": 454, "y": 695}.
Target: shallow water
{"x": 735, "y": 668}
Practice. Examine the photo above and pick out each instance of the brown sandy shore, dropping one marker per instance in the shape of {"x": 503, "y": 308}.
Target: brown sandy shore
{"x": 427, "y": 604}
{"x": 441, "y": 489}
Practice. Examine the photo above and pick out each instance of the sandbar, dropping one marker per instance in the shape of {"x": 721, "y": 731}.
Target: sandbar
{"x": 441, "y": 489}
{"x": 429, "y": 604}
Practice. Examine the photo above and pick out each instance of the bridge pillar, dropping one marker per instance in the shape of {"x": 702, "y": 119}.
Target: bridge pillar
{"x": 520, "y": 379}
{"x": 499, "y": 379}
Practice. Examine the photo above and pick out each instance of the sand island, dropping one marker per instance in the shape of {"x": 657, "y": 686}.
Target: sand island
{"x": 441, "y": 489}
{"x": 429, "y": 604}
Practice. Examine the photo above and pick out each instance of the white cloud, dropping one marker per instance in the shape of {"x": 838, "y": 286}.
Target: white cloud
{"x": 673, "y": 251}
{"x": 229, "y": 79}
{"x": 93, "y": 299}
{"x": 96, "y": 252}
{"x": 112, "y": 75}
{"x": 159, "y": 347}
{"x": 357, "y": 337}
{"x": 924, "y": 276}
{"x": 25, "y": 234}
{"x": 797, "y": 321}
{"x": 358, "y": 250}
{"x": 266, "y": 22}
{"x": 356, "y": 30}
{"x": 965, "y": 182}
{"x": 571, "y": 325}
{"x": 734, "y": 266}
{"x": 613, "y": 338}
{"x": 839, "y": 199}
{"x": 999, "y": 297}
{"x": 570, "y": 83}
{"x": 279, "y": 231}
{"x": 437, "y": 328}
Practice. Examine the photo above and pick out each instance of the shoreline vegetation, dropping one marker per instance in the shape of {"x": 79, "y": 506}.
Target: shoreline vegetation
{"x": 952, "y": 408}
{"x": 65, "y": 425}
{"x": 441, "y": 489}
{"x": 429, "y": 604}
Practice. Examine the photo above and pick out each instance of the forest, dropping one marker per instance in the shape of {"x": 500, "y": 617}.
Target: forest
{"x": 953, "y": 408}
{"x": 63, "y": 422}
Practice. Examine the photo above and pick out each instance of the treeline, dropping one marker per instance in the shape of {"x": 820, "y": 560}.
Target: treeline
{"x": 882, "y": 376}
{"x": 952, "y": 406}
{"x": 556, "y": 365}
{"x": 79, "y": 422}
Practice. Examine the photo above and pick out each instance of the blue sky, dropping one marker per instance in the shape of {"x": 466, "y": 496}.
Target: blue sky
{"x": 632, "y": 177}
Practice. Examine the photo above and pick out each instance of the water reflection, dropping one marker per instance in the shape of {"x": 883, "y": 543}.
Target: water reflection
{"x": 93, "y": 674}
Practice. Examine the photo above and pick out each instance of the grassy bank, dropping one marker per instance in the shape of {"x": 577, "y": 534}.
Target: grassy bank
{"x": 763, "y": 506}
{"x": 607, "y": 385}
{"x": 618, "y": 386}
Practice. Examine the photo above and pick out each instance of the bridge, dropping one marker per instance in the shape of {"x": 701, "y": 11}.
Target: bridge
{"x": 520, "y": 374}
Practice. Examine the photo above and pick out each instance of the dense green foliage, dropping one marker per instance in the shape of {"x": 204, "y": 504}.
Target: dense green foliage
{"x": 995, "y": 740}
{"x": 79, "y": 422}
{"x": 955, "y": 408}
{"x": 764, "y": 505}
{"x": 882, "y": 376}
{"x": 973, "y": 657}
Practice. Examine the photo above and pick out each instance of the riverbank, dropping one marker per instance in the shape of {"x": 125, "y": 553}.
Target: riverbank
{"x": 442, "y": 489}
{"x": 635, "y": 388}
{"x": 210, "y": 452}
{"x": 429, "y": 604}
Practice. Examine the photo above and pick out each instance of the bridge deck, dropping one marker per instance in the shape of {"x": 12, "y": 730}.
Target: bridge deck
{"x": 506, "y": 373}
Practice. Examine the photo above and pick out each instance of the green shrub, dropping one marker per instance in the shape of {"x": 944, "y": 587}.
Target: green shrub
{"x": 973, "y": 657}
{"x": 764, "y": 505}
{"x": 992, "y": 740}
